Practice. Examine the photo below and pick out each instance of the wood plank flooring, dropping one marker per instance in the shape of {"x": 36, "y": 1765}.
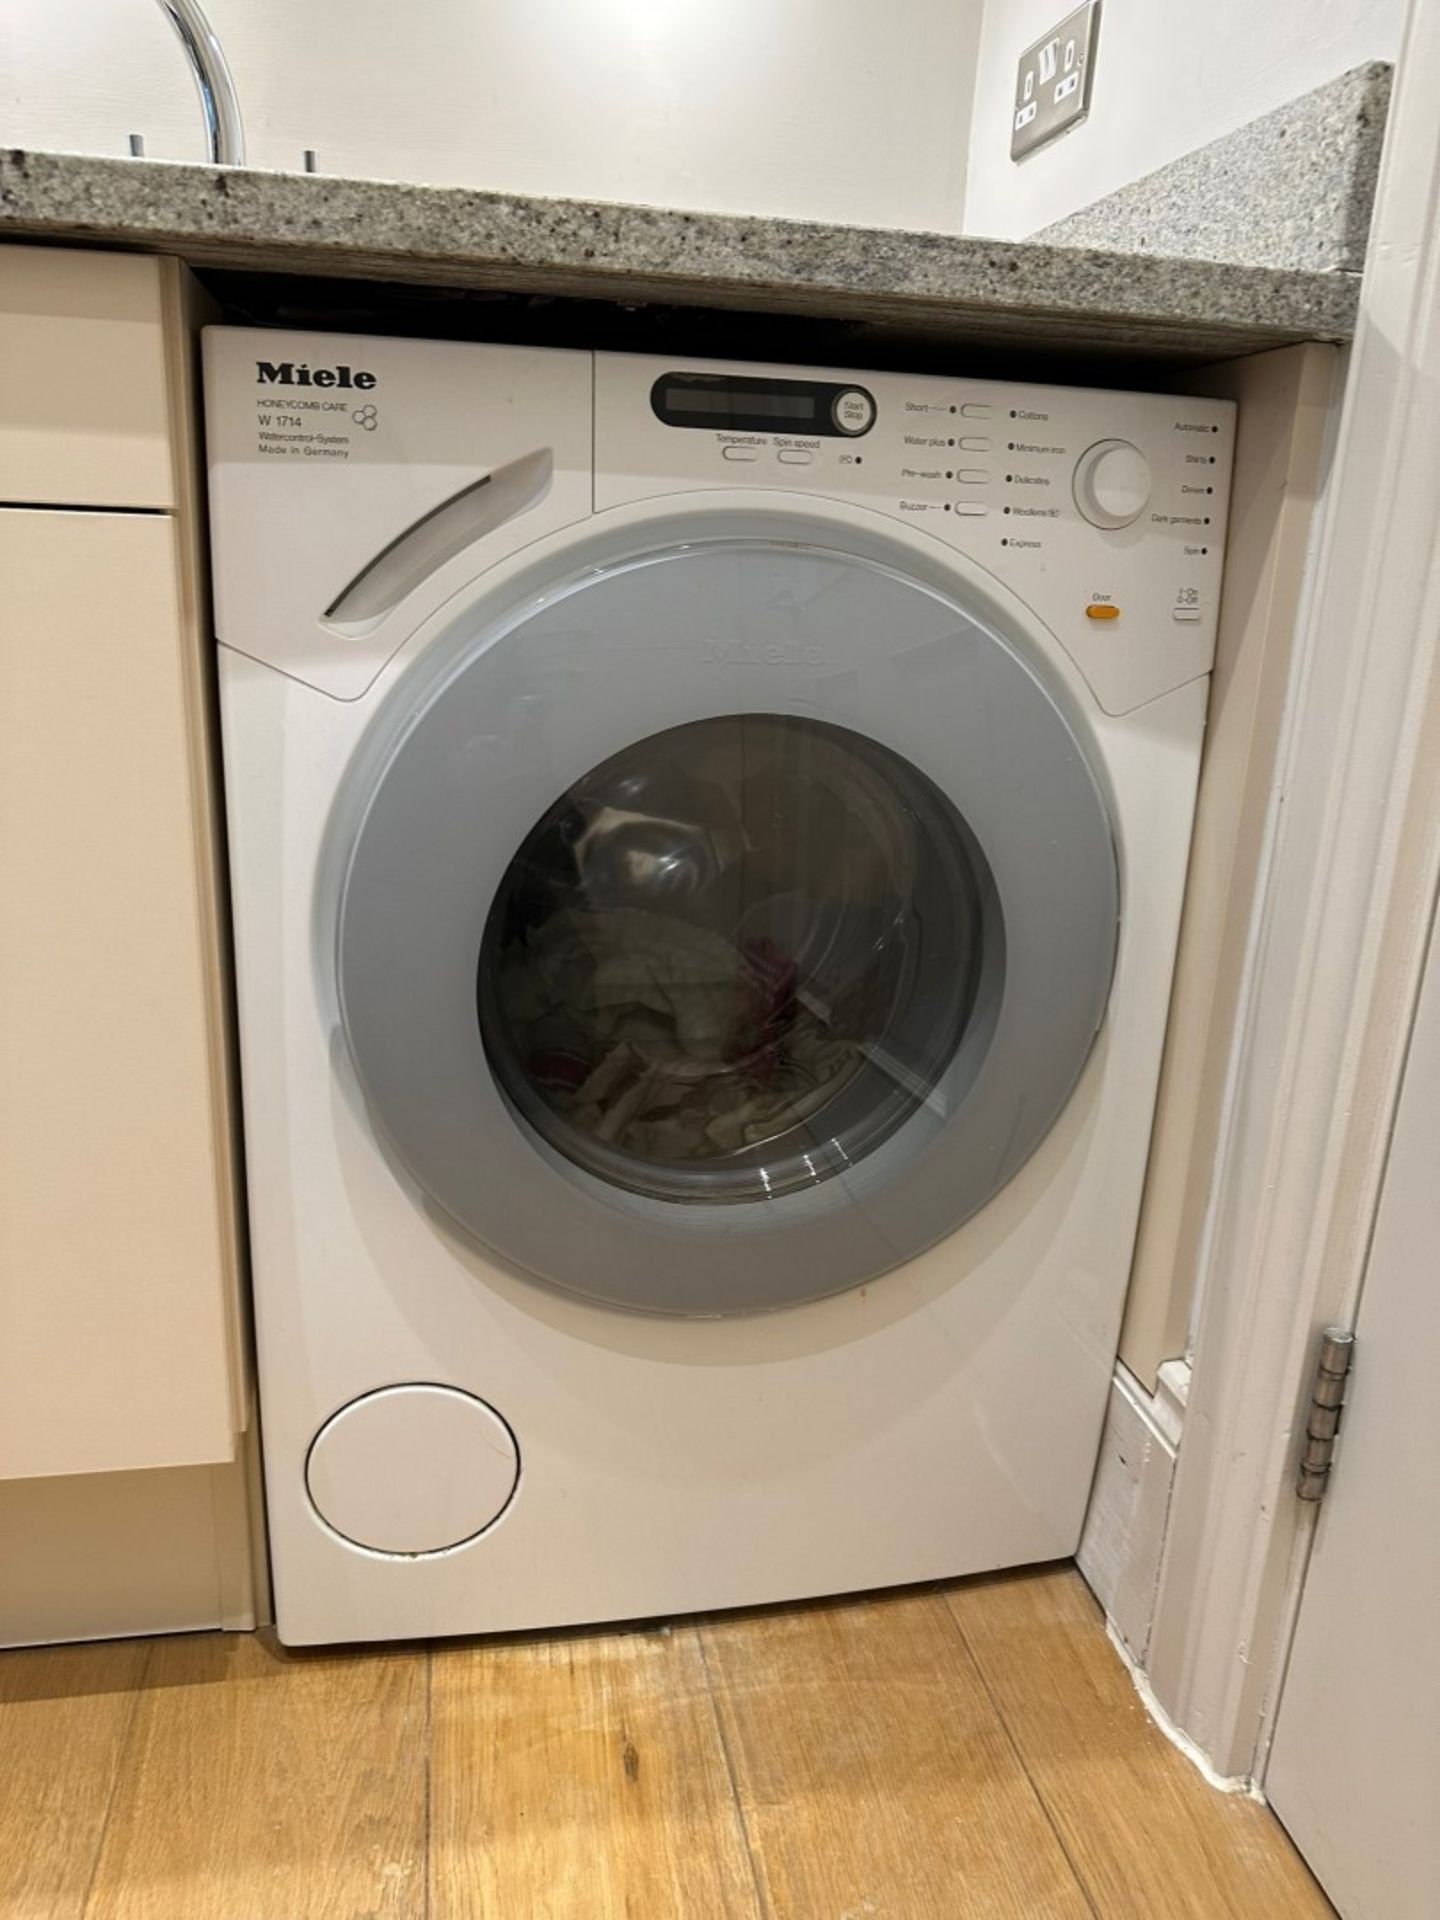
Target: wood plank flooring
{"x": 582, "y": 1775}
{"x": 956, "y": 1753}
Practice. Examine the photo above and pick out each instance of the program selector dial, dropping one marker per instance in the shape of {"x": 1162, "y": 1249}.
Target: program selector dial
{"x": 1112, "y": 483}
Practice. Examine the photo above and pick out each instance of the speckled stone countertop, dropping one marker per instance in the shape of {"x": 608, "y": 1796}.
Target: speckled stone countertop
{"x": 1032, "y": 295}
{"x": 1294, "y": 188}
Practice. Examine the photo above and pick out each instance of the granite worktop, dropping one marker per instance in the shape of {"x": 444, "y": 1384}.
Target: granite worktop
{"x": 1294, "y": 188}
{"x": 1033, "y": 295}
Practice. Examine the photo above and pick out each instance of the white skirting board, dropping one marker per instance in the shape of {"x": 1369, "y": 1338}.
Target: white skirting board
{"x": 1125, "y": 1525}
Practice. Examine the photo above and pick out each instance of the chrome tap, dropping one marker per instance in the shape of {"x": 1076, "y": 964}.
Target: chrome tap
{"x": 218, "y": 100}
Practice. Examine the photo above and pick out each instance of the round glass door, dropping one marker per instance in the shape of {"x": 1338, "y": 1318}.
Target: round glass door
{"x": 732, "y": 959}
{"x": 724, "y": 921}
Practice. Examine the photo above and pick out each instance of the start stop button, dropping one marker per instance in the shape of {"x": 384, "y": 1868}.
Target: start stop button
{"x": 853, "y": 411}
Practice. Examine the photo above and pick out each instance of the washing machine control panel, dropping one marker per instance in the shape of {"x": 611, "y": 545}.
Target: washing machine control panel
{"x": 1104, "y": 512}
{"x": 356, "y": 485}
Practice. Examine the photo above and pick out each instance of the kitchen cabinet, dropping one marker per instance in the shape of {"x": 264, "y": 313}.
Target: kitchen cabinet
{"x": 121, "y": 1342}
{"x": 117, "y": 1345}
{"x": 86, "y": 418}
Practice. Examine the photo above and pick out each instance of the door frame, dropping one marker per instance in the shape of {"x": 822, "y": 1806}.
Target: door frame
{"x": 1338, "y": 939}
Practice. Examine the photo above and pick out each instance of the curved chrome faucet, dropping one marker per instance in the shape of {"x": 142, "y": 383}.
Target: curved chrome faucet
{"x": 218, "y": 100}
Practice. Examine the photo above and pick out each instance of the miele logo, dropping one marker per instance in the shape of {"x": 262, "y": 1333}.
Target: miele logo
{"x": 762, "y": 653}
{"x": 285, "y": 373}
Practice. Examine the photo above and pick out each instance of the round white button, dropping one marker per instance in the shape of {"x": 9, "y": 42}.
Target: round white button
{"x": 853, "y": 411}
{"x": 1112, "y": 483}
{"x": 412, "y": 1469}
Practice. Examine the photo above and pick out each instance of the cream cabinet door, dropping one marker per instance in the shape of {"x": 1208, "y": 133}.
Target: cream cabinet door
{"x": 118, "y": 1317}
{"x": 86, "y": 399}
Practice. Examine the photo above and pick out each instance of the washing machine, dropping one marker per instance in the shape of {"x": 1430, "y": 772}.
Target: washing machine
{"x": 707, "y": 845}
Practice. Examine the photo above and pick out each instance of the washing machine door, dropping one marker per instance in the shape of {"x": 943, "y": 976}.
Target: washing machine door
{"x": 726, "y": 926}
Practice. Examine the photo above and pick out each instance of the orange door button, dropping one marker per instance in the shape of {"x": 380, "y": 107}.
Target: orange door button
{"x": 1102, "y": 610}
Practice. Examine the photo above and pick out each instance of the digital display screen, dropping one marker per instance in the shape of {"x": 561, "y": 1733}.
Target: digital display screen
{"x": 758, "y": 403}
{"x": 770, "y": 404}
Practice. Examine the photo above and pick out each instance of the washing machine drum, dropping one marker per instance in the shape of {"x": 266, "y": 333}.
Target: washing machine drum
{"x": 724, "y": 928}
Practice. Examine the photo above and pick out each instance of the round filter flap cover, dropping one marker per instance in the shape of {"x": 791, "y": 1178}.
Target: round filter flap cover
{"x": 412, "y": 1469}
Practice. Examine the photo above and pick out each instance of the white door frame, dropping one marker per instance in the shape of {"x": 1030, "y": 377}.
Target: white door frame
{"x": 1342, "y": 913}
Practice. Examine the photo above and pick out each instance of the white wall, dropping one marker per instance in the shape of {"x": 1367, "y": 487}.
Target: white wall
{"x": 846, "y": 110}
{"x": 1170, "y": 75}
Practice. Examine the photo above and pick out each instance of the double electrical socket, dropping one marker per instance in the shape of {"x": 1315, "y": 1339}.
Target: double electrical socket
{"x": 1052, "y": 81}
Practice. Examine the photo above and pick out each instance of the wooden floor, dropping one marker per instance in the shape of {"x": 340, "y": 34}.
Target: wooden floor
{"x": 939, "y": 1754}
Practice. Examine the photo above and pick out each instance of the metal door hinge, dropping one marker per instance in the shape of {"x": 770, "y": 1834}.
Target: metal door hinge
{"x": 1327, "y": 1399}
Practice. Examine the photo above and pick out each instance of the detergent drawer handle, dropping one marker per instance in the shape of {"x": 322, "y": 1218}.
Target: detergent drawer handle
{"x": 428, "y": 543}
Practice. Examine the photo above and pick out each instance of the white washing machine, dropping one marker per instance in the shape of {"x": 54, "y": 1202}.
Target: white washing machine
{"x": 707, "y": 847}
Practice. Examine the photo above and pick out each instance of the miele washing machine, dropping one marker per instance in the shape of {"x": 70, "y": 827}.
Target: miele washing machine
{"x": 707, "y": 848}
